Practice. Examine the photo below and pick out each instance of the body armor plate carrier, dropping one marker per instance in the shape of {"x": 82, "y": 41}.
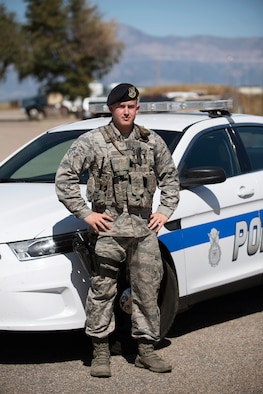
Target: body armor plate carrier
{"x": 126, "y": 176}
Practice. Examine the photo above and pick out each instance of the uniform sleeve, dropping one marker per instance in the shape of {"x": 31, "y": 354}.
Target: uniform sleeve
{"x": 167, "y": 178}
{"x": 76, "y": 160}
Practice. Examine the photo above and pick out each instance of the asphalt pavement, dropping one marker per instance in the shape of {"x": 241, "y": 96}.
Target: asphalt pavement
{"x": 215, "y": 348}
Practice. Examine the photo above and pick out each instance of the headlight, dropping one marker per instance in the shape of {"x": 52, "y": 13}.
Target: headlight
{"x": 42, "y": 247}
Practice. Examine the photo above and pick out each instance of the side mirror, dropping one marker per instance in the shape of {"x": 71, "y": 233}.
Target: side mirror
{"x": 202, "y": 176}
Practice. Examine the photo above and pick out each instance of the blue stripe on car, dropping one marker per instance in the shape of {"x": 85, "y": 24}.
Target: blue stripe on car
{"x": 196, "y": 235}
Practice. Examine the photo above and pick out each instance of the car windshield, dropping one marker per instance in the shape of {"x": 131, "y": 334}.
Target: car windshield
{"x": 38, "y": 162}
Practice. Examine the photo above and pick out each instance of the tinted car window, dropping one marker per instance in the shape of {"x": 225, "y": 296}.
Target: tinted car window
{"x": 252, "y": 138}
{"x": 171, "y": 138}
{"x": 38, "y": 162}
{"x": 213, "y": 149}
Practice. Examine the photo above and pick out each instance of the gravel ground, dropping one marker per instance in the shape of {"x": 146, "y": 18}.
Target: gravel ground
{"x": 216, "y": 347}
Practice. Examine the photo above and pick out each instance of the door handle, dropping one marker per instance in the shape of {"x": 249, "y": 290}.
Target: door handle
{"x": 245, "y": 192}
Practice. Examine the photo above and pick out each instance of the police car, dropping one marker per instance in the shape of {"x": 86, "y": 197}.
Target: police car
{"x": 211, "y": 245}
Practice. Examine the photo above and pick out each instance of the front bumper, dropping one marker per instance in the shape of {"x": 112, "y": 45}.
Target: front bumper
{"x": 42, "y": 294}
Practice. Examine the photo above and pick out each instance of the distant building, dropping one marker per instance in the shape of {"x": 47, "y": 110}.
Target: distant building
{"x": 250, "y": 90}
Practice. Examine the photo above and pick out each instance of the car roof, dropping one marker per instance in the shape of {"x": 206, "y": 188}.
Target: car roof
{"x": 163, "y": 121}
{"x": 158, "y": 121}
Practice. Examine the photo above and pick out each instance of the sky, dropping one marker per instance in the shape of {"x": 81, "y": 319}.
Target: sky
{"x": 222, "y": 18}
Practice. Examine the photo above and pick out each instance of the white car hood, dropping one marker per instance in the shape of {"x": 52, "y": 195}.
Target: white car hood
{"x": 30, "y": 210}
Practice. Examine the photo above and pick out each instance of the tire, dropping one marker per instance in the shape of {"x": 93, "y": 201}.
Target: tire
{"x": 168, "y": 299}
{"x": 34, "y": 114}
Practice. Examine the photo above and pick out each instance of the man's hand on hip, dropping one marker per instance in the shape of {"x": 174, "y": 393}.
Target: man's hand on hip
{"x": 99, "y": 221}
{"x": 157, "y": 220}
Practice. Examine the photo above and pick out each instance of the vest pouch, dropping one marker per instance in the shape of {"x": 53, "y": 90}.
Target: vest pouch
{"x": 99, "y": 195}
{"x": 90, "y": 188}
{"x": 135, "y": 189}
{"x": 99, "y": 198}
{"x": 150, "y": 187}
{"x": 120, "y": 165}
{"x": 118, "y": 191}
{"x": 150, "y": 182}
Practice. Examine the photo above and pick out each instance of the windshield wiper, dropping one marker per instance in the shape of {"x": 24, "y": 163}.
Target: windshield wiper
{"x": 26, "y": 180}
{"x": 7, "y": 180}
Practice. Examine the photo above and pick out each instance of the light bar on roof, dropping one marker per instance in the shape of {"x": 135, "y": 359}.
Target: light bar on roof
{"x": 99, "y": 108}
{"x": 172, "y": 106}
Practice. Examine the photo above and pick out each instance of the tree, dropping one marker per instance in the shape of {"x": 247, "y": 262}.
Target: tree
{"x": 10, "y": 42}
{"x": 67, "y": 45}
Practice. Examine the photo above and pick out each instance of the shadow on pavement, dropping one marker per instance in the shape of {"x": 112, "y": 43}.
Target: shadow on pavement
{"x": 218, "y": 310}
{"x": 44, "y": 347}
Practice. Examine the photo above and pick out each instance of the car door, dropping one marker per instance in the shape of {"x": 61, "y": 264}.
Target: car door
{"x": 220, "y": 223}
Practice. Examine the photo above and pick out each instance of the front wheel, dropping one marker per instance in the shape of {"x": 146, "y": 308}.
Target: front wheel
{"x": 168, "y": 299}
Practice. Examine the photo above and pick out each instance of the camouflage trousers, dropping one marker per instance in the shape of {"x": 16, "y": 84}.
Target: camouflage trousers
{"x": 143, "y": 257}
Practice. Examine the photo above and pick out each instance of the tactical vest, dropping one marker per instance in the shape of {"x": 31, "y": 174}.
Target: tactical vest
{"x": 125, "y": 176}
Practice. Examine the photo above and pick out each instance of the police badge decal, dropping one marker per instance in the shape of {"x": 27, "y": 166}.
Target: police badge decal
{"x": 214, "y": 253}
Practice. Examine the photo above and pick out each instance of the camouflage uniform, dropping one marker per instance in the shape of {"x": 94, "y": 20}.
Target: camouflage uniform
{"x": 123, "y": 173}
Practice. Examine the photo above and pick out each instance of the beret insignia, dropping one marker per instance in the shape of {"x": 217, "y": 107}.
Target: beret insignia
{"x": 132, "y": 92}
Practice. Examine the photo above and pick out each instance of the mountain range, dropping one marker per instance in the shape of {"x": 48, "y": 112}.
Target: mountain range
{"x": 149, "y": 60}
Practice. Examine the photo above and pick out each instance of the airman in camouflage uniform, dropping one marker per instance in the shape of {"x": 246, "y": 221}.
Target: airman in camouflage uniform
{"x": 125, "y": 162}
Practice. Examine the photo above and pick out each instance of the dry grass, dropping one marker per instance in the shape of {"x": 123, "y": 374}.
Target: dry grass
{"x": 245, "y": 103}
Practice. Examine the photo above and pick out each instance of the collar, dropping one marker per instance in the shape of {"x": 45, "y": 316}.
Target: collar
{"x": 138, "y": 132}
{"x": 117, "y": 135}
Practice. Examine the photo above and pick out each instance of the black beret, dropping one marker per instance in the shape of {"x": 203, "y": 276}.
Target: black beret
{"x": 122, "y": 92}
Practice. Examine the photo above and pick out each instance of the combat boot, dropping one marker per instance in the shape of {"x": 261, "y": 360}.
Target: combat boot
{"x": 100, "y": 365}
{"x": 148, "y": 359}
